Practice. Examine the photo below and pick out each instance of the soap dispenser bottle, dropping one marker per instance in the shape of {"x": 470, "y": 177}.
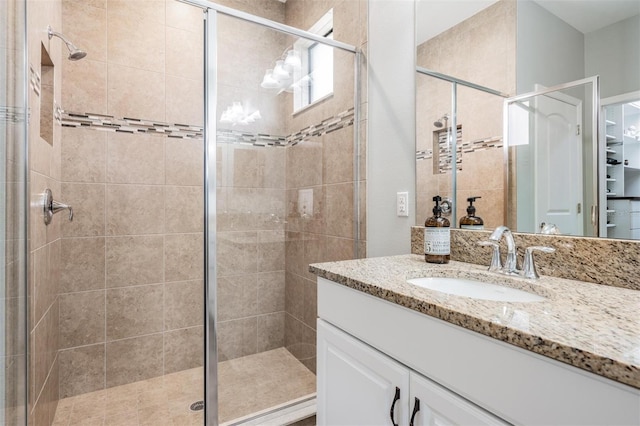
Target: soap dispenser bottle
{"x": 471, "y": 221}
{"x": 437, "y": 236}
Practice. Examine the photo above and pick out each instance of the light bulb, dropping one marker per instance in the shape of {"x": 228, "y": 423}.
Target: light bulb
{"x": 269, "y": 82}
{"x": 279, "y": 73}
{"x": 293, "y": 59}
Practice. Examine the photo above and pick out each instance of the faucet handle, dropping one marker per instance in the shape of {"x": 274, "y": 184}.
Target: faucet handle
{"x": 496, "y": 264}
{"x": 529, "y": 266}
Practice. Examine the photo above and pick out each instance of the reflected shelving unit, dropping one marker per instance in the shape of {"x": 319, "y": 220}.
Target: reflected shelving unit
{"x": 622, "y": 170}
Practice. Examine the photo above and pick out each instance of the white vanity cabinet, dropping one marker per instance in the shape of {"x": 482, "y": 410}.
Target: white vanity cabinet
{"x": 368, "y": 346}
{"x": 358, "y": 385}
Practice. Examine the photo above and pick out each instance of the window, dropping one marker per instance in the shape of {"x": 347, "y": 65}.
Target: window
{"x": 320, "y": 70}
{"x": 314, "y": 80}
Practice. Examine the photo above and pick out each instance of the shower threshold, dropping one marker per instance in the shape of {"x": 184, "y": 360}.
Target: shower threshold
{"x": 281, "y": 415}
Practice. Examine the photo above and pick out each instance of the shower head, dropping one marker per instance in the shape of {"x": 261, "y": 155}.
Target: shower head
{"x": 439, "y": 123}
{"x": 74, "y": 53}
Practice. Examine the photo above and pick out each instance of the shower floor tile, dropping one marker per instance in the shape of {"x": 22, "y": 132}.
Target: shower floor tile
{"x": 247, "y": 385}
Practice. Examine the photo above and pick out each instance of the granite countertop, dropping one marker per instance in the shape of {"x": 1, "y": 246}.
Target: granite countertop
{"x": 590, "y": 326}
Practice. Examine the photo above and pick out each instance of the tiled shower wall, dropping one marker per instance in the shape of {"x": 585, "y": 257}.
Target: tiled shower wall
{"x": 485, "y": 54}
{"x": 323, "y": 164}
{"x": 131, "y": 278}
{"x": 45, "y": 241}
{"x": 251, "y": 190}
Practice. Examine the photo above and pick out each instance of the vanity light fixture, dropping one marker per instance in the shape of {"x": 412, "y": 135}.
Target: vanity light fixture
{"x": 281, "y": 76}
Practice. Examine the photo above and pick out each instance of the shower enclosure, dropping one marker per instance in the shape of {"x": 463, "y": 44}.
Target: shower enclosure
{"x": 209, "y": 155}
{"x": 464, "y": 165}
{"x": 13, "y": 226}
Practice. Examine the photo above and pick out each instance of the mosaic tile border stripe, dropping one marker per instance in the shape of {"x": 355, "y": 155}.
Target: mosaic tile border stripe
{"x": 184, "y": 131}
{"x": 129, "y": 125}
{"x": 340, "y": 121}
{"x": 12, "y": 114}
{"x": 465, "y": 147}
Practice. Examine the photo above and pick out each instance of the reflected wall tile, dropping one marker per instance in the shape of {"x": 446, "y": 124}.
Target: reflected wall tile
{"x": 271, "y": 292}
{"x": 134, "y": 260}
{"x": 294, "y": 252}
{"x": 83, "y": 155}
{"x": 124, "y": 154}
{"x": 294, "y": 295}
{"x": 184, "y": 162}
{"x": 183, "y": 257}
{"x": 310, "y": 303}
{"x": 237, "y": 296}
{"x": 183, "y": 302}
{"x": 81, "y": 370}
{"x": 271, "y": 251}
{"x": 338, "y": 156}
{"x": 337, "y": 249}
{"x": 237, "y": 253}
{"x": 184, "y": 209}
{"x": 314, "y": 252}
{"x": 237, "y": 338}
{"x": 185, "y": 101}
{"x": 43, "y": 293}
{"x": 270, "y": 331}
{"x": 82, "y": 317}
{"x": 135, "y": 209}
{"x": 132, "y": 360}
{"x": 135, "y": 93}
{"x": 85, "y": 86}
{"x": 134, "y": 311}
{"x": 339, "y": 210}
{"x": 245, "y": 167}
{"x": 83, "y": 264}
{"x": 88, "y": 202}
{"x": 304, "y": 163}
{"x": 183, "y": 349}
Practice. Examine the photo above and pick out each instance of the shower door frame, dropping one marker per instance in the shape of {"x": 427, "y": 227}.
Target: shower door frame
{"x": 211, "y": 11}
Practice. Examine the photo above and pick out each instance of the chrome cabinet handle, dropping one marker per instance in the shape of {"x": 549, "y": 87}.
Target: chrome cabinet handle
{"x": 416, "y": 408}
{"x": 51, "y": 207}
{"x": 393, "y": 407}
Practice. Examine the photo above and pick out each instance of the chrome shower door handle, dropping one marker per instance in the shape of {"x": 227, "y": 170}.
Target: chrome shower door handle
{"x": 51, "y": 207}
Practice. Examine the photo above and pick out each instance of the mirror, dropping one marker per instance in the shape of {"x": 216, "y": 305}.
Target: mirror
{"x": 512, "y": 47}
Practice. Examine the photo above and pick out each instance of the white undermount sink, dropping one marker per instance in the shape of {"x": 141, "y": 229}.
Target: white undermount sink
{"x": 475, "y": 289}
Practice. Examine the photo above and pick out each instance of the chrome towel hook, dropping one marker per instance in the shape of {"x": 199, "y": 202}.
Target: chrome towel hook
{"x": 51, "y": 207}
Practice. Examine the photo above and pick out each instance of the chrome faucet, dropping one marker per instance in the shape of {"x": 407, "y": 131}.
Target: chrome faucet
{"x": 510, "y": 266}
{"x": 511, "y": 263}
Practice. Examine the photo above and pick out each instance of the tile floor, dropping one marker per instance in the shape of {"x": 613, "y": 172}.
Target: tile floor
{"x": 247, "y": 385}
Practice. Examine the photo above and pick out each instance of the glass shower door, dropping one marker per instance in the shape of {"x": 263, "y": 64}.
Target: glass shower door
{"x": 13, "y": 385}
{"x": 283, "y": 193}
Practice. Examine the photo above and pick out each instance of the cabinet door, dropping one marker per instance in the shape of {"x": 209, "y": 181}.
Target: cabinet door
{"x": 357, "y": 385}
{"x": 441, "y": 407}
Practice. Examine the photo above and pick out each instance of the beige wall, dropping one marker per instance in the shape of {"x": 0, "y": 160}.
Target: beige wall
{"x": 131, "y": 278}
{"x": 45, "y": 241}
{"x": 481, "y": 50}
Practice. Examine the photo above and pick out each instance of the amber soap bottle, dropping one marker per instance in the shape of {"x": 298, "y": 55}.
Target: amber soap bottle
{"x": 437, "y": 236}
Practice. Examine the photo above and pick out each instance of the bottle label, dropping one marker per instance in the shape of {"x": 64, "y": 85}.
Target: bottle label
{"x": 437, "y": 240}
{"x": 476, "y": 227}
